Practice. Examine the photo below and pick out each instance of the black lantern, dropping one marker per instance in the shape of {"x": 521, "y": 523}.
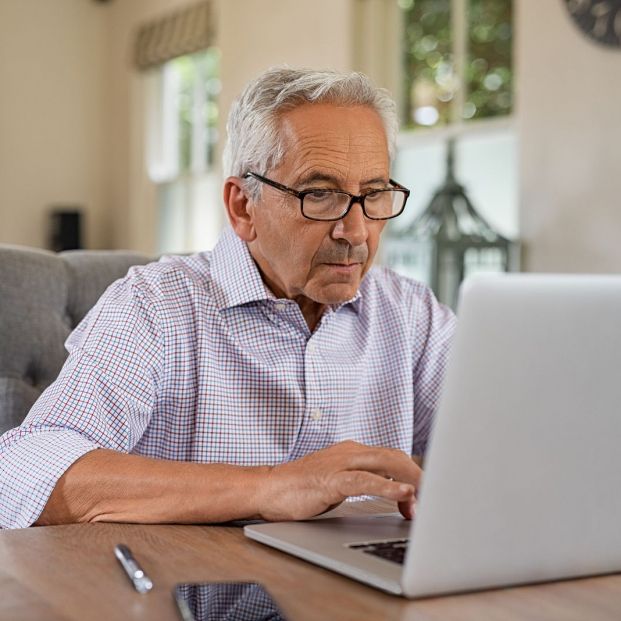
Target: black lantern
{"x": 448, "y": 241}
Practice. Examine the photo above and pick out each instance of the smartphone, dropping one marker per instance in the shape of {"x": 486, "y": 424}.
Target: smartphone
{"x": 220, "y": 601}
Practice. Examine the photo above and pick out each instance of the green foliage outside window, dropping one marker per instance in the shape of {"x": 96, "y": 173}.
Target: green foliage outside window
{"x": 489, "y": 75}
{"x": 431, "y": 82}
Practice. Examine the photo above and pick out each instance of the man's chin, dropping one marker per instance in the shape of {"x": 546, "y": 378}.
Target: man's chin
{"x": 332, "y": 286}
{"x": 336, "y": 293}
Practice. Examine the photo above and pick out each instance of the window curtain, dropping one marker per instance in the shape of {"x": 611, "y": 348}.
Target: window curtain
{"x": 183, "y": 32}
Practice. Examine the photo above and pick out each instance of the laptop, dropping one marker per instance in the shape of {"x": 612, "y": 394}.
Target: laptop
{"x": 522, "y": 473}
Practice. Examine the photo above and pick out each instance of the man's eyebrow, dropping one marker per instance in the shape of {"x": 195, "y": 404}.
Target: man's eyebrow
{"x": 317, "y": 176}
{"x": 382, "y": 180}
{"x": 320, "y": 177}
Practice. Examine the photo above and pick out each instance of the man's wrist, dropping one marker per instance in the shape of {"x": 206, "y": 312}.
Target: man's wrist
{"x": 259, "y": 492}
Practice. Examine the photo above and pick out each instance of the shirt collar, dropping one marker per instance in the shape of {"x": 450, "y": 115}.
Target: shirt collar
{"x": 237, "y": 278}
{"x": 235, "y": 274}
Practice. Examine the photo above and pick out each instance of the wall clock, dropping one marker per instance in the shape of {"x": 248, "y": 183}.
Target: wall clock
{"x": 598, "y": 19}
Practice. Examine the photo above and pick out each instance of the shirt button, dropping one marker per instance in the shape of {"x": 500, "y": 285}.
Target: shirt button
{"x": 280, "y": 307}
{"x": 311, "y": 348}
{"x": 316, "y": 414}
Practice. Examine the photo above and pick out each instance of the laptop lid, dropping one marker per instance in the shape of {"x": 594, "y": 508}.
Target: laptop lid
{"x": 521, "y": 477}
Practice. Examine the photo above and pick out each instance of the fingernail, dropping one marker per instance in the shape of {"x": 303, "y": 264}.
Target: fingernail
{"x": 413, "y": 508}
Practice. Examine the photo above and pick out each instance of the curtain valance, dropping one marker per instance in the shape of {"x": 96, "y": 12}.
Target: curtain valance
{"x": 185, "y": 31}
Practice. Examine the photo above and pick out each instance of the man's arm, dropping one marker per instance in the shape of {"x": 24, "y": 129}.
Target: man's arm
{"x": 434, "y": 327}
{"x": 109, "y": 486}
{"x": 103, "y": 398}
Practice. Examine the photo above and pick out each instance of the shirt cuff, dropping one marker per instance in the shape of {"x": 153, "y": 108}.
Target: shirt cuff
{"x": 30, "y": 469}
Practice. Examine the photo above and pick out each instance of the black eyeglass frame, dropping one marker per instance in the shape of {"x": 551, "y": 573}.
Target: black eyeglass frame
{"x": 353, "y": 198}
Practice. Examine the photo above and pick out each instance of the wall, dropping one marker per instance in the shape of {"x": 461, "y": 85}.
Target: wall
{"x": 53, "y": 121}
{"x": 569, "y": 102}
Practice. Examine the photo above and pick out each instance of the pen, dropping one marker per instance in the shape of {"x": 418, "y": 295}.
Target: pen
{"x": 142, "y": 583}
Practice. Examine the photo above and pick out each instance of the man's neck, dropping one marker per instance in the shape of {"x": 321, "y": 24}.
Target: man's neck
{"x": 311, "y": 311}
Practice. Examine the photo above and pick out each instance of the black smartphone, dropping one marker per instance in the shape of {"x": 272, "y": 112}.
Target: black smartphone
{"x": 230, "y": 601}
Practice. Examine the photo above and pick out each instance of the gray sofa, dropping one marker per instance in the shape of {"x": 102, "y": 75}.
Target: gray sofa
{"x": 43, "y": 296}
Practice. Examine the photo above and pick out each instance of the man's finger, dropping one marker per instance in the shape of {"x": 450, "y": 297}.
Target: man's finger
{"x": 390, "y": 463}
{"x": 407, "y": 508}
{"x": 362, "y": 483}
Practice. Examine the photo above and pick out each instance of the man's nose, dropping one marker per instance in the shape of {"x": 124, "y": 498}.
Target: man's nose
{"x": 353, "y": 227}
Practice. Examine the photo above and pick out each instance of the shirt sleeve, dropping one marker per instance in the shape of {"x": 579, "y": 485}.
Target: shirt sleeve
{"x": 434, "y": 326}
{"x": 103, "y": 398}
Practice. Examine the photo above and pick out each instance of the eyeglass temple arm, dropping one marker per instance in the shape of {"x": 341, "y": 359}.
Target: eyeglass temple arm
{"x": 274, "y": 184}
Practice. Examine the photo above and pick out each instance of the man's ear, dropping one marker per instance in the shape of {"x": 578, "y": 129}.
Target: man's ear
{"x": 239, "y": 208}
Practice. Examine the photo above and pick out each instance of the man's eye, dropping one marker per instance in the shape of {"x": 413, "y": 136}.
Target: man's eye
{"x": 318, "y": 196}
{"x": 374, "y": 196}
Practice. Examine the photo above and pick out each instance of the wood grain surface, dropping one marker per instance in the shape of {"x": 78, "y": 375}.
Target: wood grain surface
{"x": 70, "y": 573}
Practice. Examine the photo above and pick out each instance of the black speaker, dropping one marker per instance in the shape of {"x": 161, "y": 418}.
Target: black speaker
{"x": 66, "y": 229}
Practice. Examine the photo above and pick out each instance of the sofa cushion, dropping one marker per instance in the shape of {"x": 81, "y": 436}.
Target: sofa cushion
{"x": 43, "y": 296}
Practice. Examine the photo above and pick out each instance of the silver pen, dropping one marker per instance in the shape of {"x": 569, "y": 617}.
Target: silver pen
{"x": 142, "y": 583}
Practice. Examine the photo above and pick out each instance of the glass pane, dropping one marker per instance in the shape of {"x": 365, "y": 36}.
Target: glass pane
{"x": 185, "y": 70}
{"x": 197, "y": 109}
{"x": 173, "y": 216}
{"x": 189, "y": 212}
{"x": 489, "y": 74}
{"x": 430, "y": 80}
{"x": 486, "y": 164}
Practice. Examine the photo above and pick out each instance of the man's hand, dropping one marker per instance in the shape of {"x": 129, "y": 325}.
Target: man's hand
{"x": 320, "y": 481}
{"x": 108, "y": 486}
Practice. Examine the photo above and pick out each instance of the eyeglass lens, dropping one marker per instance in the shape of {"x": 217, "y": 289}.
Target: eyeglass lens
{"x": 330, "y": 205}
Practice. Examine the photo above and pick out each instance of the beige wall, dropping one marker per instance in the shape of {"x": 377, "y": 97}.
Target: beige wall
{"x": 569, "y": 113}
{"x": 53, "y": 117}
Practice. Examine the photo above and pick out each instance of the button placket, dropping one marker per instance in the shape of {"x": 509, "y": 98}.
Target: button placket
{"x": 314, "y": 398}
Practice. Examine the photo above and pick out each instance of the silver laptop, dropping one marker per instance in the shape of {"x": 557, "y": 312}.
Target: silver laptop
{"x": 523, "y": 471}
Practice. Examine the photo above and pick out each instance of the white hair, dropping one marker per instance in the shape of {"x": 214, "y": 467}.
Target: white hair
{"x": 253, "y": 134}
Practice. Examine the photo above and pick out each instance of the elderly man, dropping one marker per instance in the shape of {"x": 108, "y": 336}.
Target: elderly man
{"x": 272, "y": 377}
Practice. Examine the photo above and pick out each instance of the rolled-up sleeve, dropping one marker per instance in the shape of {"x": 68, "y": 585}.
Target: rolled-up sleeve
{"x": 103, "y": 398}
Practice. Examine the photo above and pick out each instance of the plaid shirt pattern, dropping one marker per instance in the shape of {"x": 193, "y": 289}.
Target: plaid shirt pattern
{"x": 193, "y": 358}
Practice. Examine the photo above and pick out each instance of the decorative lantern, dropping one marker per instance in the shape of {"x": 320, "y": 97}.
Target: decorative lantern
{"x": 448, "y": 241}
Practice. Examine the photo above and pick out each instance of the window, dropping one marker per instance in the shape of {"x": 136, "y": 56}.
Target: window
{"x": 457, "y": 83}
{"x": 458, "y": 60}
{"x": 181, "y": 152}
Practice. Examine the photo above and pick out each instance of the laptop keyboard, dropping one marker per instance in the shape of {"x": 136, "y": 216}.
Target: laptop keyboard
{"x": 393, "y": 550}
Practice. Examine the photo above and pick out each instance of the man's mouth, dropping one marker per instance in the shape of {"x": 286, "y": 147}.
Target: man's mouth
{"x": 343, "y": 267}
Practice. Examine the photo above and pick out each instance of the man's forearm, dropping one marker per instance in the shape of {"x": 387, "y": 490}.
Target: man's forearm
{"x": 108, "y": 486}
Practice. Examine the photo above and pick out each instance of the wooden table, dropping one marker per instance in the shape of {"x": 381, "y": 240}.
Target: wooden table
{"x": 70, "y": 572}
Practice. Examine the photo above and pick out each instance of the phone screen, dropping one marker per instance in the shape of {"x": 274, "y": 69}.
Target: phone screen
{"x": 220, "y": 601}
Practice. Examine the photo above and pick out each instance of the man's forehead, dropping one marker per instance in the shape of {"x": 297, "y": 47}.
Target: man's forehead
{"x": 322, "y": 142}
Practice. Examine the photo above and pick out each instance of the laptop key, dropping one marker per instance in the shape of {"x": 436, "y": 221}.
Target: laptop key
{"x": 393, "y": 551}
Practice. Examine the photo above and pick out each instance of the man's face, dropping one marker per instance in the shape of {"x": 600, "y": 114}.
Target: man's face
{"x": 325, "y": 147}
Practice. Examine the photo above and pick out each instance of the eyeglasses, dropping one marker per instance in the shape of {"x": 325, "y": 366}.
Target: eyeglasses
{"x": 328, "y": 205}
